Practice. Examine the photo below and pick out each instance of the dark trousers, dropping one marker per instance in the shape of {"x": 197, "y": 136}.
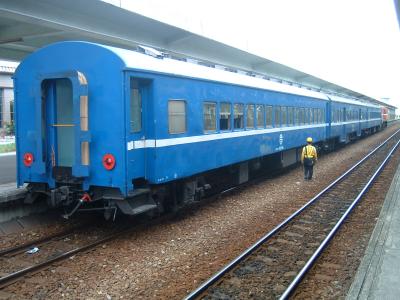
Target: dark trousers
{"x": 308, "y": 169}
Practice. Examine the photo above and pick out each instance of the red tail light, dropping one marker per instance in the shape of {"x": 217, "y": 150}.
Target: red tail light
{"x": 28, "y": 159}
{"x": 108, "y": 162}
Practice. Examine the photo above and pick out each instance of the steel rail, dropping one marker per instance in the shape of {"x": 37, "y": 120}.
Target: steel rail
{"x": 8, "y": 279}
{"x": 12, "y": 277}
{"x": 329, "y": 237}
{"x": 39, "y": 241}
{"x": 196, "y": 293}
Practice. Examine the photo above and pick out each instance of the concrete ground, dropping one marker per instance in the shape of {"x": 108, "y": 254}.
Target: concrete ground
{"x": 8, "y": 172}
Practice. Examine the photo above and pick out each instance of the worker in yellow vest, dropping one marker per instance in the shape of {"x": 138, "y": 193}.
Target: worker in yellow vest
{"x": 308, "y": 159}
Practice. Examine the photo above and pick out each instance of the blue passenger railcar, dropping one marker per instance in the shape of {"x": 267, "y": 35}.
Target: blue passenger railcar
{"x": 117, "y": 128}
{"x": 350, "y": 118}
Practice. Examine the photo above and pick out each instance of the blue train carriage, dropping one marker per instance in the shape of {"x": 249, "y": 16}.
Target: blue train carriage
{"x": 209, "y": 119}
{"x": 350, "y": 119}
{"x": 106, "y": 128}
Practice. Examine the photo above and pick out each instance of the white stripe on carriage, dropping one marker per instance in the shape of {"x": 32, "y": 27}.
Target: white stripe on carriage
{"x": 141, "y": 144}
{"x": 211, "y": 137}
{"x": 354, "y": 122}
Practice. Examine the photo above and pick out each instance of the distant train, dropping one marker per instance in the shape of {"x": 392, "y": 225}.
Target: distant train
{"x": 102, "y": 128}
{"x": 388, "y": 115}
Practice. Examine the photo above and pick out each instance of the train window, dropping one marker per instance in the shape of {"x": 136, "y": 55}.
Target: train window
{"x": 260, "y": 115}
{"x": 238, "y": 118}
{"x": 210, "y": 116}
{"x": 250, "y": 115}
{"x": 284, "y": 116}
{"x": 268, "y": 114}
{"x": 307, "y": 116}
{"x": 315, "y": 113}
{"x": 296, "y": 116}
{"x": 302, "y": 116}
{"x": 311, "y": 116}
{"x": 343, "y": 115}
{"x": 290, "y": 116}
{"x": 277, "y": 116}
{"x": 225, "y": 116}
{"x": 135, "y": 107}
{"x": 177, "y": 116}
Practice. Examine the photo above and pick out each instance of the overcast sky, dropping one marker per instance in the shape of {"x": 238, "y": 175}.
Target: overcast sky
{"x": 353, "y": 43}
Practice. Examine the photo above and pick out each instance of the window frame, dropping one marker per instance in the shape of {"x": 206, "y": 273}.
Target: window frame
{"x": 215, "y": 116}
{"x": 229, "y": 119}
{"x": 290, "y": 114}
{"x": 132, "y": 88}
{"x": 168, "y": 113}
{"x": 262, "y": 125}
{"x": 243, "y": 115}
{"x": 284, "y": 116}
{"x": 277, "y": 112}
{"x": 271, "y": 109}
{"x": 247, "y": 116}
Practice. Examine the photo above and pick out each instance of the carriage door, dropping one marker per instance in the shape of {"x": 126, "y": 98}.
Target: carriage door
{"x": 138, "y": 95}
{"x": 64, "y": 126}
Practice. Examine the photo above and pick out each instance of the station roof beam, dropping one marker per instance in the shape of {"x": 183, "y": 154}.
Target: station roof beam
{"x": 26, "y": 25}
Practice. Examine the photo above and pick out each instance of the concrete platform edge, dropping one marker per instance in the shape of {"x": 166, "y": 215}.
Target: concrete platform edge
{"x": 367, "y": 276}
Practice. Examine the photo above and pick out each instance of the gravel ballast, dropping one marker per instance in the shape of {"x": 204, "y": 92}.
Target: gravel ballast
{"x": 168, "y": 260}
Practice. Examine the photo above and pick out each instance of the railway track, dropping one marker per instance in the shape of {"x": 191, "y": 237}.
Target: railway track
{"x": 16, "y": 262}
{"x": 274, "y": 265}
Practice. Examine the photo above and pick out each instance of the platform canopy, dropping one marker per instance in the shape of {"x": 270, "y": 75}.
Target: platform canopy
{"x": 397, "y": 7}
{"x": 26, "y": 25}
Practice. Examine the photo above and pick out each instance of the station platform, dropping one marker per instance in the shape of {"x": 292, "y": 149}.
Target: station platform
{"x": 378, "y": 275}
{"x": 9, "y": 192}
{"x": 12, "y": 208}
